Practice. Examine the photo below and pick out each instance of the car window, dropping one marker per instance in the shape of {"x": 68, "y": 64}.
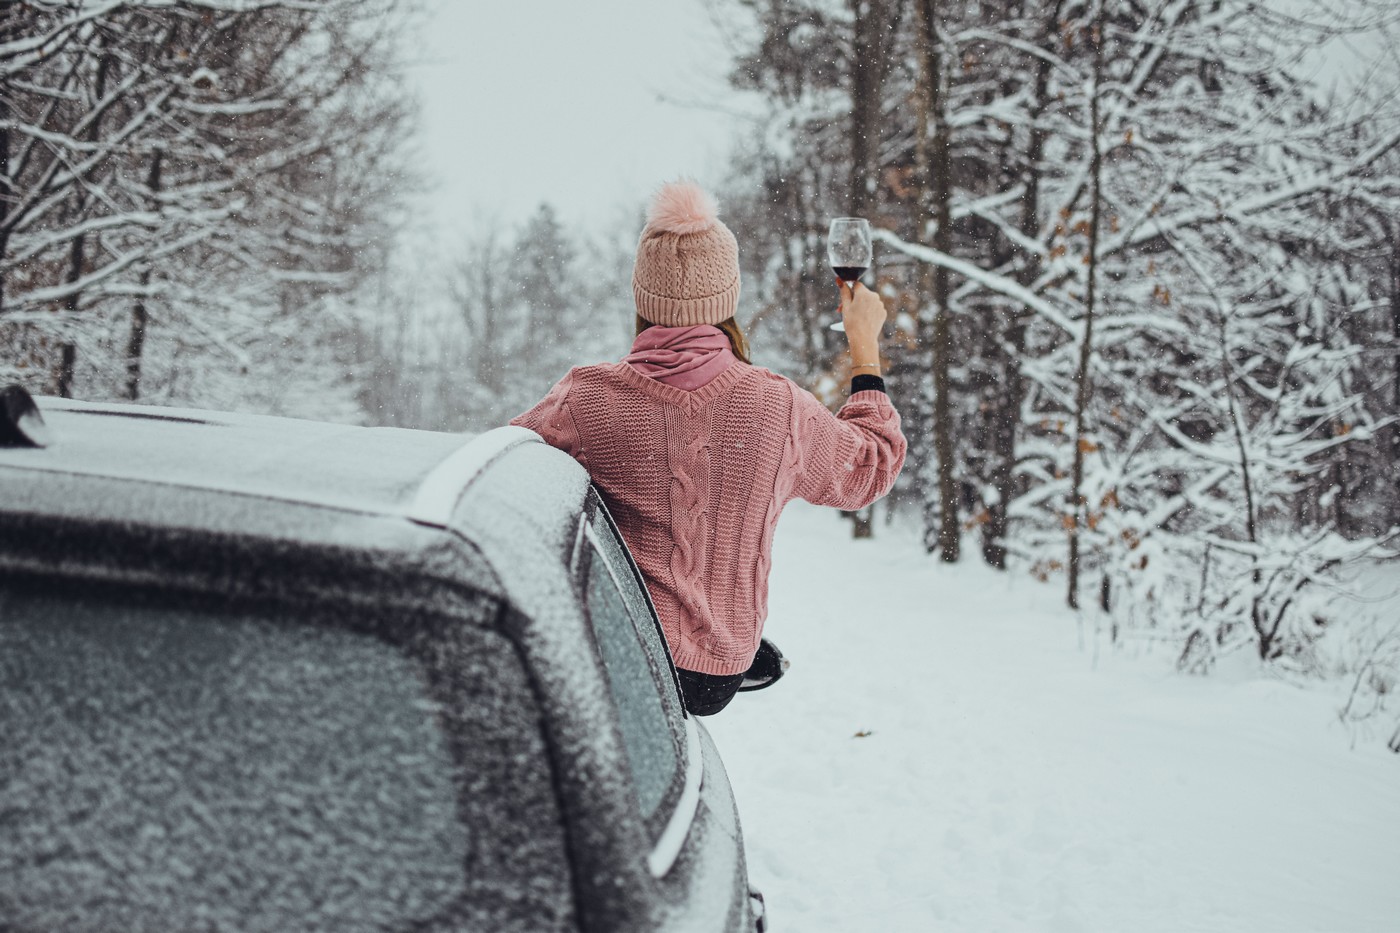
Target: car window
{"x": 167, "y": 768}
{"x": 638, "y": 605}
{"x": 651, "y": 750}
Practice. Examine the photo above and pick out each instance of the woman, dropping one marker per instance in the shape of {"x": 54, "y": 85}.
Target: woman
{"x": 696, "y": 451}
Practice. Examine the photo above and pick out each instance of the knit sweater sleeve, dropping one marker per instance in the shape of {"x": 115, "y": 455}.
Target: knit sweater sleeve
{"x": 552, "y": 420}
{"x": 851, "y": 458}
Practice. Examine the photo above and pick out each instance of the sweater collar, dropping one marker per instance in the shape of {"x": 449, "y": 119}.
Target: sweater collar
{"x": 685, "y": 358}
{"x": 690, "y": 401}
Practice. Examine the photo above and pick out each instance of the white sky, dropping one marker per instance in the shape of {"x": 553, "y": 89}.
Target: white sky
{"x": 526, "y": 101}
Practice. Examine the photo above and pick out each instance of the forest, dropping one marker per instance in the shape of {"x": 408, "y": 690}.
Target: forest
{"x": 1148, "y": 281}
{"x": 1143, "y": 259}
{"x": 196, "y": 198}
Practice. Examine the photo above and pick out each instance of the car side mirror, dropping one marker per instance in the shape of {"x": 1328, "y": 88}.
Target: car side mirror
{"x": 21, "y": 425}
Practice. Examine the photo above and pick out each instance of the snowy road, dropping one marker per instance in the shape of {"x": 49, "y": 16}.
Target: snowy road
{"x": 1014, "y": 780}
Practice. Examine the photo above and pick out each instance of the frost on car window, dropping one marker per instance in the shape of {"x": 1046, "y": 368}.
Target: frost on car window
{"x": 645, "y": 733}
{"x": 164, "y": 770}
{"x": 611, "y": 546}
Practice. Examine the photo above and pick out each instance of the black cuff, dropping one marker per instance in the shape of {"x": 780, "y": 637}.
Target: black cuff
{"x": 867, "y": 384}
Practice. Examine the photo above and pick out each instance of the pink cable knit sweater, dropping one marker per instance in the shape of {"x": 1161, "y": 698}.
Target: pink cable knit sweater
{"x": 696, "y": 481}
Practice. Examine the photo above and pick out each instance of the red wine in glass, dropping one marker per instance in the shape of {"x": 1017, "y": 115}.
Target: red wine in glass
{"x": 849, "y": 251}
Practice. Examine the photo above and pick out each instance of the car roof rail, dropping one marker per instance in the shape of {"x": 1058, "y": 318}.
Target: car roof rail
{"x": 21, "y": 425}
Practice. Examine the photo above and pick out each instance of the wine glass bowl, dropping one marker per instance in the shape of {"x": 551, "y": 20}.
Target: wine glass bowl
{"x": 848, "y": 247}
{"x": 849, "y": 251}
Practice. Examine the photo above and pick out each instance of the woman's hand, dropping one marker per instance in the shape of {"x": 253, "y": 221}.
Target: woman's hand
{"x": 864, "y": 314}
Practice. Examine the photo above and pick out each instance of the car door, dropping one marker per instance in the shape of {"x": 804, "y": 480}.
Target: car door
{"x": 695, "y": 853}
{"x": 655, "y": 730}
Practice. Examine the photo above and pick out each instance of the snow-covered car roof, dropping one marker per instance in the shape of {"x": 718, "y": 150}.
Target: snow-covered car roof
{"x": 375, "y": 470}
{"x": 113, "y": 474}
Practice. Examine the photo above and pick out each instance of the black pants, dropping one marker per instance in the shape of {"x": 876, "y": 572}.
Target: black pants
{"x": 707, "y": 694}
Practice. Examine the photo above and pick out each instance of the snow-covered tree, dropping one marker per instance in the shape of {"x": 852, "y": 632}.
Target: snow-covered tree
{"x": 193, "y": 193}
{"x": 523, "y": 306}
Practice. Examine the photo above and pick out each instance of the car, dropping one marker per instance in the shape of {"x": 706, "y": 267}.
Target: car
{"x": 266, "y": 674}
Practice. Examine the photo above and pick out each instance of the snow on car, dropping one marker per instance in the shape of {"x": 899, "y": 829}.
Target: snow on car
{"x": 266, "y": 674}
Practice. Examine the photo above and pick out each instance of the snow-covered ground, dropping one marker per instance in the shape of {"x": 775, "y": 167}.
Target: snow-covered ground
{"x": 950, "y": 752}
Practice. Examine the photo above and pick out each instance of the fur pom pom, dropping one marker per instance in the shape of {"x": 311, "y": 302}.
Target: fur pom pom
{"x": 682, "y": 207}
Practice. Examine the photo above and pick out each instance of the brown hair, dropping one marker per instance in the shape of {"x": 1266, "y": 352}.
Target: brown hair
{"x": 737, "y": 341}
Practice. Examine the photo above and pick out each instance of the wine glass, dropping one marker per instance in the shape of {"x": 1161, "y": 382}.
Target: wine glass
{"x": 849, "y": 251}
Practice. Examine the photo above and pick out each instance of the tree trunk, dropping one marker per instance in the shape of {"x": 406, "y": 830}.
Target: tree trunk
{"x": 873, "y": 28}
{"x": 1083, "y": 377}
{"x": 1006, "y": 420}
{"x": 8, "y": 31}
{"x": 136, "y": 339}
{"x": 6, "y": 193}
{"x": 68, "y": 359}
{"x": 865, "y": 115}
{"x": 77, "y": 256}
{"x": 936, "y": 196}
{"x": 1256, "y": 609}
{"x": 873, "y": 31}
{"x": 7, "y": 190}
{"x": 1395, "y": 376}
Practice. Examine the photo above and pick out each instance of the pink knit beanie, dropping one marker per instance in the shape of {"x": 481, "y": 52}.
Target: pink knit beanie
{"x": 687, "y": 269}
